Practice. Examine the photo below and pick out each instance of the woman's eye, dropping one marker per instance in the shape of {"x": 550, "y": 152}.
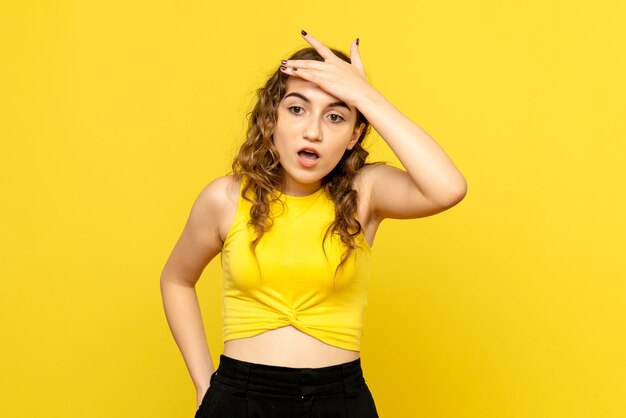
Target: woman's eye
{"x": 338, "y": 119}
{"x": 333, "y": 117}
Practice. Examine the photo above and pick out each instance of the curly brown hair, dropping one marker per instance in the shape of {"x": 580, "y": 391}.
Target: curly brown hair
{"x": 259, "y": 161}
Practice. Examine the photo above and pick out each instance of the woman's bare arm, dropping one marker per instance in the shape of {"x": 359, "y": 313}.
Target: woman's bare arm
{"x": 432, "y": 182}
{"x": 198, "y": 244}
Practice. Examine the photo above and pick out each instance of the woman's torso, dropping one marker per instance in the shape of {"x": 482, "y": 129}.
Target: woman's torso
{"x": 288, "y": 346}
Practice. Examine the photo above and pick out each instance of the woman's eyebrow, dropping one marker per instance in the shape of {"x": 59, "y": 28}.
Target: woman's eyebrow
{"x": 334, "y": 104}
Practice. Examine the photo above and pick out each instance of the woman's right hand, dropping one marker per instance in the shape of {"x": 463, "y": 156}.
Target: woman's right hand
{"x": 199, "y": 396}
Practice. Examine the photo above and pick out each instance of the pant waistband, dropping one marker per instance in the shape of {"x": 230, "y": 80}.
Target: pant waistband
{"x": 244, "y": 376}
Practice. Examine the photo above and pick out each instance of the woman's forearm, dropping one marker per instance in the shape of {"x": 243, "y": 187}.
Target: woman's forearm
{"x": 184, "y": 317}
{"x": 425, "y": 161}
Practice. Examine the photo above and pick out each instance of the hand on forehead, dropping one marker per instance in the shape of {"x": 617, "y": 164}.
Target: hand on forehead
{"x": 311, "y": 91}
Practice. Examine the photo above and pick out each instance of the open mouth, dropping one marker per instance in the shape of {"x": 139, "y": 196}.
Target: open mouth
{"x": 308, "y": 155}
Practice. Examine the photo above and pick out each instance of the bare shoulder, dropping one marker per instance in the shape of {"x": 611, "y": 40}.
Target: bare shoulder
{"x": 220, "y": 192}
{"x": 363, "y": 184}
{"x": 220, "y": 198}
{"x": 201, "y": 240}
{"x": 392, "y": 193}
{"x": 366, "y": 174}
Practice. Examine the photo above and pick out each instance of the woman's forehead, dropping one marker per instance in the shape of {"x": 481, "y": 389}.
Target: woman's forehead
{"x": 310, "y": 90}
{"x": 307, "y": 88}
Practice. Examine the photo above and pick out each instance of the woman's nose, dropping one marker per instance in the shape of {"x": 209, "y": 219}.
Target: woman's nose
{"x": 312, "y": 130}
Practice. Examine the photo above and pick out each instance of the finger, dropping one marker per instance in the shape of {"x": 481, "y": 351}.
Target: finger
{"x": 311, "y": 75}
{"x": 323, "y": 50}
{"x": 355, "y": 57}
{"x": 308, "y": 64}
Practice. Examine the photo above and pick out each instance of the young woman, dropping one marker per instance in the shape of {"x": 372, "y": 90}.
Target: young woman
{"x": 295, "y": 223}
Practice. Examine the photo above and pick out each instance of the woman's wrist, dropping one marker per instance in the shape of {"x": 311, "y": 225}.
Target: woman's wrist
{"x": 203, "y": 387}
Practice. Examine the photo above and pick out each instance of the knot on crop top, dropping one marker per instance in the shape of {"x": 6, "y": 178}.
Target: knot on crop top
{"x": 294, "y": 282}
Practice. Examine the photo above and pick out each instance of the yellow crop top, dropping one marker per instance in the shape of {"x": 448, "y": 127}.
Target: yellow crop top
{"x": 293, "y": 283}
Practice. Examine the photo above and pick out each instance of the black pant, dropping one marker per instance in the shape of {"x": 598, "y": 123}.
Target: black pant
{"x": 244, "y": 390}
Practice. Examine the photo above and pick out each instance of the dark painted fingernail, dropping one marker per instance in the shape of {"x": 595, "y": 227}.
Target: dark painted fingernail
{"x": 283, "y": 68}
{"x": 357, "y": 41}
{"x": 283, "y": 62}
{"x": 303, "y": 32}
{"x": 294, "y": 68}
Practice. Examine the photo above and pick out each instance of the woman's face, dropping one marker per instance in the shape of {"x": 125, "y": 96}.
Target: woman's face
{"x": 309, "y": 118}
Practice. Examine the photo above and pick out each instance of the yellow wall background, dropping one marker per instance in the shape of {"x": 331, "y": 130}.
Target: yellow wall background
{"x": 114, "y": 115}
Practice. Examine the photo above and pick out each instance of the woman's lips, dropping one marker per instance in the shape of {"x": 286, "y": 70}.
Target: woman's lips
{"x": 308, "y": 163}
